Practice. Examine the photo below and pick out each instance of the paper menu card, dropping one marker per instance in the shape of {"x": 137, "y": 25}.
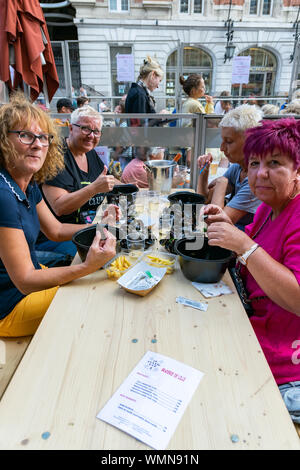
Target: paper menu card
{"x": 151, "y": 401}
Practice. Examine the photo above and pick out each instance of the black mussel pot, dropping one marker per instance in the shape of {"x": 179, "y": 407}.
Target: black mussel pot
{"x": 84, "y": 238}
{"x": 122, "y": 190}
{"x": 186, "y": 197}
{"x": 207, "y": 264}
{"x": 187, "y": 205}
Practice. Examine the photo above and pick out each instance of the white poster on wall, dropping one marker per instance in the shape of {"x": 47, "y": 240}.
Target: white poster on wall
{"x": 241, "y": 69}
{"x": 125, "y": 68}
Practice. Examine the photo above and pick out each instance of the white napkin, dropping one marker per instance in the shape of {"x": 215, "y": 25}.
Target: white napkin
{"x": 212, "y": 290}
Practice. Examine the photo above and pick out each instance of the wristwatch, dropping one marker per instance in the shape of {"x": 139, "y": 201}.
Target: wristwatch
{"x": 243, "y": 258}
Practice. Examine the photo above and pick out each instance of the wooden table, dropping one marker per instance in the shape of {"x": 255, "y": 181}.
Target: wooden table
{"x": 83, "y": 351}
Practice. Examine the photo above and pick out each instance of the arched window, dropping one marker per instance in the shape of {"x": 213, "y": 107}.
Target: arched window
{"x": 195, "y": 60}
{"x": 262, "y": 74}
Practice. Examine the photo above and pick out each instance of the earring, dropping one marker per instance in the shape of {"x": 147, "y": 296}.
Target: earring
{"x": 295, "y": 191}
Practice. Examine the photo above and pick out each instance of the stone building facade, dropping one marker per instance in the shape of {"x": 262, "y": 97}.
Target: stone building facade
{"x": 187, "y": 36}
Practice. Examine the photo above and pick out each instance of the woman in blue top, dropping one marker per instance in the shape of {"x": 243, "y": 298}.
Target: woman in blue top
{"x": 242, "y": 203}
{"x": 29, "y": 154}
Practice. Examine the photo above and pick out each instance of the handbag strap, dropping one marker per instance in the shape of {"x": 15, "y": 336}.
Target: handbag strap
{"x": 238, "y": 269}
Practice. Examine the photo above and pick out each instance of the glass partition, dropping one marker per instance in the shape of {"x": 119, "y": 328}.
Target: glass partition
{"x": 167, "y": 139}
{"x": 161, "y": 137}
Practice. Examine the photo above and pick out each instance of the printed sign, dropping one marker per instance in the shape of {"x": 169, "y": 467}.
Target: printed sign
{"x": 241, "y": 69}
{"x": 125, "y": 68}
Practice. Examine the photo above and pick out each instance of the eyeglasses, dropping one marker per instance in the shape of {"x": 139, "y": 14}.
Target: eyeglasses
{"x": 28, "y": 138}
{"x": 87, "y": 130}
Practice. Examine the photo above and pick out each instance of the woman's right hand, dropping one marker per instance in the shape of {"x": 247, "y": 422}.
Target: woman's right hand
{"x": 101, "y": 251}
{"x": 204, "y": 160}
{"x": 104, "y": 183}
{"x": 209, "y": 99}
{"x": 214, "y": 213}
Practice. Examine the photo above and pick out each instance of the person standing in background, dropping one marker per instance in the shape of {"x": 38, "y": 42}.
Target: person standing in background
{"x": 63, "y": 106}
{"x": 81, "y": 101}
{"x": 194, "y": 87}
{"x": 223, "y": 105}
{"x": 139, "y": 98}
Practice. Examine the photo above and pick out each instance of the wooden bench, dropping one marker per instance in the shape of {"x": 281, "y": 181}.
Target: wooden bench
{"x": 11, "y": 353}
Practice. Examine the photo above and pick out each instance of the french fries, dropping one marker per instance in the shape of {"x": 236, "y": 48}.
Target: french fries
{"x": 161, "y": 263}
{"x": 117, "y": 268}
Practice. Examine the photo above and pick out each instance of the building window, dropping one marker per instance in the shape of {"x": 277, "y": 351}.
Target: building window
{"x": 195, "y": 60}
{"x": 191, "y": 6}
{"x": 253, "y": 7}
{"x": 118, "y": 5}
{"x": 184, "y": 6}
{"x": 267, "y": 7}
{"x": 261, "y": 7}
{"x": 262, "y": 74}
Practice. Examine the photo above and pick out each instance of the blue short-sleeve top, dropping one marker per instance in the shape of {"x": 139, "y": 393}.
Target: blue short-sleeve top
{"x": 18, "y": 211}
{"x": 242, "y": 197}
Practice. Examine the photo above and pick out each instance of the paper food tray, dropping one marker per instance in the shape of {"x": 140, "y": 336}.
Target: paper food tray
{"x": 141, "y": 266}
{"x": 113, "y": 272}
{"x": 164, "y": 256}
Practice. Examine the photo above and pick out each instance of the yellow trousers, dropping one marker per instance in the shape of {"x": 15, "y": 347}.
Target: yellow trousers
{"x": 25, "y": 318}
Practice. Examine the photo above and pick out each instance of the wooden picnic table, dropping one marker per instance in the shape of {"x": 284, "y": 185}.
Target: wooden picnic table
{"x": 83, "y": 351}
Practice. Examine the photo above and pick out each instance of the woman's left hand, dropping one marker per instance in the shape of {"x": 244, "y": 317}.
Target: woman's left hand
{"x": 228, "y": 236}
{"x": 111, "y": 215}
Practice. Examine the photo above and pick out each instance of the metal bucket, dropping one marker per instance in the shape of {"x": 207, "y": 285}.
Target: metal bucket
{"x": 160, "y": 174}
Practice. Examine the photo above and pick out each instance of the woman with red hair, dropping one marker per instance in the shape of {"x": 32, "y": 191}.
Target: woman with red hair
{"x": 269, "y": 250}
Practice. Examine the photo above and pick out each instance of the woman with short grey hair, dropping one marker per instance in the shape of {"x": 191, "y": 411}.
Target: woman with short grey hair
{"x": 75, "y": 194}
{"x": 86, "y": 111}
{"x": 268, "y": 109}
{"x": 242, "y": 203}
{"x": 292, "y": 108}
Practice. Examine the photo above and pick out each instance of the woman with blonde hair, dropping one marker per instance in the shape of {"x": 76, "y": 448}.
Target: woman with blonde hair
{"x": 139, "y": 98}
{"x": 30, "y": 153}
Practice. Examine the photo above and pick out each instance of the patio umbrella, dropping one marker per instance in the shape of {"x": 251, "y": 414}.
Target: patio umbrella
{"x": 25, "y": 45}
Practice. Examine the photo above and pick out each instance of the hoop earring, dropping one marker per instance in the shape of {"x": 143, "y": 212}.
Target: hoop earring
{"x": 295, "y": 192}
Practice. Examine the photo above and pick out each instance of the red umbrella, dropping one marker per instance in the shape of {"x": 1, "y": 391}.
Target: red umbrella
{"x": 25, "y": 44}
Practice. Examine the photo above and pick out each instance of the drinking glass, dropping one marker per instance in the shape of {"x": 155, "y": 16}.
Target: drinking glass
{"x": 213, "y": 168}
{"x": 153, "y": 199}
{"x": 135, "y": 244}
{"x": 165, "y": 226}
{"x": 180, "y": 175}
{"x": 140, "y": 204}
